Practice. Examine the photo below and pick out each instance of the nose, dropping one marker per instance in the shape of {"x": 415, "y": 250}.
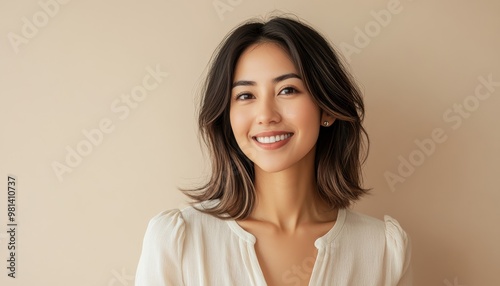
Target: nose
{"x": 268, "y": 111}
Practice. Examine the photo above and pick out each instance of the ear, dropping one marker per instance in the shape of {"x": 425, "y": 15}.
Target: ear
{"x": 326, "y": 119}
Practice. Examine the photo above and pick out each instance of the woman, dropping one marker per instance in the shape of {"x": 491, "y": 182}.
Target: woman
{"x": 283, "y": 123}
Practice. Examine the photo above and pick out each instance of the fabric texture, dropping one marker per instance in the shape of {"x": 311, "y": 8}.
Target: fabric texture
{"x": 189, "y": 248}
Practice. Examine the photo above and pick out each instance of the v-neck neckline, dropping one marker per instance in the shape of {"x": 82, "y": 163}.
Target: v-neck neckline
{"x": 320, "y": 243}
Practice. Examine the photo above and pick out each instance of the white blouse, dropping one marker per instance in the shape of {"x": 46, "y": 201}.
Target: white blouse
{"x": 189, "y": 248}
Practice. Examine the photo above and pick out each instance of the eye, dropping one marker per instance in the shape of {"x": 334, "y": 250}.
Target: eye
{"x": 243, "y": 96}
{"x": 288, "y": 90}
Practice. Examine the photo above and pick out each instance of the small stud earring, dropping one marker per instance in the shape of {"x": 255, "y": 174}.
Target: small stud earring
{"x": 325, "y": 123}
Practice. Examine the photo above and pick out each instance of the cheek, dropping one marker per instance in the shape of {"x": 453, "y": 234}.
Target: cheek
{"x": 303, "y": 113}
{"x": 239, "y": 122}
{"x": 307, "y": 118}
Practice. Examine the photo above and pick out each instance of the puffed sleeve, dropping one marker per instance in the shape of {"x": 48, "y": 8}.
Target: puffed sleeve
{"x": 160, "y": 261}
{"x": 398, "y": 253}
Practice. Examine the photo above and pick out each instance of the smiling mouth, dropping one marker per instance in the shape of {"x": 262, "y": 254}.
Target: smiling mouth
{"x": 272, "y": 139}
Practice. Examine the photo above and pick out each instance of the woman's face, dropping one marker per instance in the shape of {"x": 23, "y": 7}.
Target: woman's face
{"x": 270, "y": 103}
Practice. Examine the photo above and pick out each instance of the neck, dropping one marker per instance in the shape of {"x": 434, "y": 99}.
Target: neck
{"x": 288, "y": 198}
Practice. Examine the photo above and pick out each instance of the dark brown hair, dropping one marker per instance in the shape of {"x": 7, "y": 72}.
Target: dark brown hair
{"x": 338, "y": 149}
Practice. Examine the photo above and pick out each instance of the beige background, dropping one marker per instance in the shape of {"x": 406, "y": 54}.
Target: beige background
{"x": 67, "y": 73}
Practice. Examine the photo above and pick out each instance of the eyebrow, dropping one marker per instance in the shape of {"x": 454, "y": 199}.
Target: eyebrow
{"x": 275, "y": 80}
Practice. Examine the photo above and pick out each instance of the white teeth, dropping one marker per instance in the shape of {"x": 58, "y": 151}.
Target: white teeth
{"x": 272, "y": 139}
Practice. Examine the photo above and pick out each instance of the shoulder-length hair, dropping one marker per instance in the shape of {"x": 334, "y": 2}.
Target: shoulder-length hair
{"x": 338, "y": 156}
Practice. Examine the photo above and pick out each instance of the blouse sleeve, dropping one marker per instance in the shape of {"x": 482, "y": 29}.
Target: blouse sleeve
{"x": 160, "y": 261}
{"x": 398, "y": 253}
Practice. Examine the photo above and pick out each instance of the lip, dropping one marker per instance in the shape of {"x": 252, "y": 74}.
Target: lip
{"x": 275, "y": 145}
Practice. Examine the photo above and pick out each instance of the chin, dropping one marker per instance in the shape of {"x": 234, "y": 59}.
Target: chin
{"x": 272, "y": 168}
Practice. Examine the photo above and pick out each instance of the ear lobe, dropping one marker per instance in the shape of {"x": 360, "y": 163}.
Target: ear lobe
{"x": 327, "y": 120}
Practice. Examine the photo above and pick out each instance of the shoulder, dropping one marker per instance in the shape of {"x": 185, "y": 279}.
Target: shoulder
{"x": 173, "y": 222}
{"x": 171, "y": 218}
{"x": 164, "y": 230}
{"x": 398, "y": 250}
{"x": 388, "y": 227}
{"x": 386, "y": 238}
{"x": 362, "y": 225}
{"x": 396, "y": 237}
{"x": 385, "y": 234}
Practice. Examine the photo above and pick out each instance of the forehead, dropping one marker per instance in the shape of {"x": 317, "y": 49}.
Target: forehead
{"x": 263, "y": 60}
